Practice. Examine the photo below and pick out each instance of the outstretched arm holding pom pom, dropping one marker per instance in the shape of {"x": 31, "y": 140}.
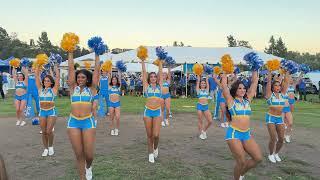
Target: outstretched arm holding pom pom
{"x": 96, "y": 72}
{"x": 71, "y": 72}
{"x": 254, "y": 84}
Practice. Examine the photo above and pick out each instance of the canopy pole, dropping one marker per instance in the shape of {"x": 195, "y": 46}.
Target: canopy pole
{"x": 186, "y": 80}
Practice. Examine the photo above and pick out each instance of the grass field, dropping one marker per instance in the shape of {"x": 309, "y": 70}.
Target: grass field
{"x": 305, "y": 115}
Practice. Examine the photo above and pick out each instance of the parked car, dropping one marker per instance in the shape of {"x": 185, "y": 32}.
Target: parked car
{"x": 310, "y": 87}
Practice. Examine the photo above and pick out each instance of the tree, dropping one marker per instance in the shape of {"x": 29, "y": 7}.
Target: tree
{"x": 232, "y": 42}
{"x": 175, "y": 43}
{"x": 281, "y": 49}
{"x": 44, "y": 43}
{"x": 181, "y": 44}
{"x": 243, "y": 43}
{"x": 272, "y": 46}
{"x": 32, "y": 43}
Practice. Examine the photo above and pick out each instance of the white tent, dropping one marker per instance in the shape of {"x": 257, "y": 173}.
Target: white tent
{"x": 178, "y": 68}
{"x": 136, "y": 67}
{"x": 89, "y": 58}
{"x": 192, "y": 55}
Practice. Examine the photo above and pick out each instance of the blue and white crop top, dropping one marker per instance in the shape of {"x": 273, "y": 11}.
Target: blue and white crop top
{"x": 203, "y": 94}
{"x": 21, "y": 85}
{"x": 290, "y": 89}
{"x": 240, "y": 108}
{"x": 46, "y": 95}
{"x": 153, "y": 92}
{"x": 114, "y": 90}
{"x": 273, "y": 101}
{"x": 84, "y": 97}
{"x": 104, "y": 84}
{"x": 165, "y": 84}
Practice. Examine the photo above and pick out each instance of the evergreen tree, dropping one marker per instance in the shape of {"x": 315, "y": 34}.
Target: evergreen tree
{"x": 44, "y": 43}
{"x": 243, "y": 43}
{"x": 232, "y": 42}
{"x": 272, "y": 46}
{"x": 281, "y": 49}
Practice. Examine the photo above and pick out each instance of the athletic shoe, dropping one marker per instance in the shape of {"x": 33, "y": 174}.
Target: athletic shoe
{"x": 116, "y": 132}
{"x": 222, "y": 125}
{"x": 170, "y": 115}
{"x": 156, "y": 153}
{"x": 226, "y": 124}
{"x": 40, "y": 132}
{"x": 18, "y": 123}
{"x": 214, "y": 118}
{"x": 167, "y": 122}
{"x": 163, "y": 124}
{"x": 204, "y": 134}
{"x": 89, "y": 173}
{"x": 108, "y": 114}
{"x": 241, "y": 178}
{"x": 112, "y": 132}
{"x": 287, "y": 139}
{"x": 151, "y": 158}
{"x": 23, "y": 123}
{"x": 276, "y": 156}
{"x": 272, "y": 158}
{"x": 51, "y": 151}
{"x": 45, "y": 153}
{"x": 53, "y": 129}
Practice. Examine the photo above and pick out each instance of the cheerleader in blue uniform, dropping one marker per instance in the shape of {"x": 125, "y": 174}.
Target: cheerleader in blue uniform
{"x": 81, "y": 124}
{"x": 221, "y": 103}
{"x": 238, "y": 135}
{"x": 202, "y": 88}
{"x": 32, "y": 90}
{"x": 152, "y": 85}
{"x": 103, "y": 88}
{"x": 114, "y": 93}
{"x": 166, "y": 97}
{"x": 276, "y": 95}
{"x": 48, "y": 89}
{"x": 21, "y": 81}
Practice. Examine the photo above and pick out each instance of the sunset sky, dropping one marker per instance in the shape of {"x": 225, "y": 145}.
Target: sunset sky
{"x": 202, "y": 23}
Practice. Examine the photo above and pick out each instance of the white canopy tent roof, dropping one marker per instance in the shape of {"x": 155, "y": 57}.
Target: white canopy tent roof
{"x": 136, "y": 67}
{"x": 89, "y": 58}
{"x": 195, "y": 54}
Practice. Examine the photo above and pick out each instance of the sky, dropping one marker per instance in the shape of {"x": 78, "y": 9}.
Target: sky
{"x": 201, "y": 23}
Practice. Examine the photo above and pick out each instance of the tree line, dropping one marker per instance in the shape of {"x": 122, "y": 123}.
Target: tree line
{"x": 278, "y": 48}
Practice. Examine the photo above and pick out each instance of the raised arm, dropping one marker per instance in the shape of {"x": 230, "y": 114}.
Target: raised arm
{"x": 96, "y": 72}
{"x": 169, "y": 75}
{"x": 226, "y": 91}
{"x": 198, "y": 83}
{"x": 26, "y": 77}
{"x": 207, "y": 83}
{"x": 253, "y": 88}
{"x": 160, "y": 75}
{"x": 37, "y": 78}
{"x": 71, "y": 72}
{"x": 216, "y": 80}
{"x": 285, "y": 83}
{"x": 120, "y": 78}
{"x": 144, "y": 76}
{"x": 14, "y": 75}
{"x": 268, "y": 87}
{"x": 57, "y": 80}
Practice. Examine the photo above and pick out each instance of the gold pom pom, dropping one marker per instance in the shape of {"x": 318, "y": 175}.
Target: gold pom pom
{"x": 217, "y": 70}
{"x": 198, "y": 69}
{"x": 142, "y": 53}
{"x": 14, "y": 63}
{"x": 107, "y": 66}
{"x": 273, "y": 65}
{"x": 41, "y": 59}
{"x": 282, "y": 71}
{"x": 156, "y": 62}
{"x": 227, "y": 64}
{"x": 87, "y": 64}
{"x": 69, "y": 42}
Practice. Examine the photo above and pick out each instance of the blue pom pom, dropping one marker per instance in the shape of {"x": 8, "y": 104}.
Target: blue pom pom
{"x": 305, "y": 68}
{"x": 97, "y": 45}
{"x": 170, "y": 61}
{"x": 161, "y": 53}
{"x": 43, "y": 74}
{"x": 208, "y": 69}
{"x": 253, "y": 60}
{"x": 25, "y": 62}
{"x": 289, "y": 66}
{"x": 236, "y": 70}
{"x": 55, "y": 59}
{"x": 121, "y": 66}
{"x": 47, "y": 66}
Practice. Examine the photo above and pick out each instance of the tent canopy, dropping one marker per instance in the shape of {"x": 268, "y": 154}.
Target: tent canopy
{"x": 136, "y": 67}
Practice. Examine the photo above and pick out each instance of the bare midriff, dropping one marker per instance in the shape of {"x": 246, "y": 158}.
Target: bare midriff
{"x": 81, "y": 110}
{"x": 203, "y": 101}
{"x": 276, "y": 111}
{"x": 165, "y": 90}
{"x": 153, "y": 103}
{"x": 114, "y": 98}
{"x": 20, "y": 91}
{"x": 291, "y": 95}
{"x": 241, "y": 122}
{"x": 46, "y": 105}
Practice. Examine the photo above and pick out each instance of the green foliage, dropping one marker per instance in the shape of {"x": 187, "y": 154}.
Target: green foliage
{"x": 232, "y": 42}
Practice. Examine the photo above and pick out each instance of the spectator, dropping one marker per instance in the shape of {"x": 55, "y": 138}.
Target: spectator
{"x": 139, "y": 86}
{"x": 1, "y": 84}
{"x": 319, "y": 88}
{"x": 212, "y": 87}
{"x": 123, "y": 86}
{"x": 5, "y": 82}
{"x": 182, "y": 83}
{"x": 132, "y": 85}
{"x": 302, "y": 90}
{"x": 192, "y": 85}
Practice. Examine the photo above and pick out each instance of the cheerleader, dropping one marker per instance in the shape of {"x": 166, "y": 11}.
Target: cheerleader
{"x": 288, "y": 109}
{"x": 276, "y": 99}
{"x": 81, "y": 123}
{"x": 114, "y": 93}
{"x": 152, "y": 112}
{"x": 238, "y": 134}
{"x": 220, "y": 103}
{"x": 48, "y": 90}
{"x": 103, "y": 87}
{"x": 166, "y": 97}
{"x": 32, "y": 89}
{"x": 202, "y": 89}
{"x": 21, "y": 81}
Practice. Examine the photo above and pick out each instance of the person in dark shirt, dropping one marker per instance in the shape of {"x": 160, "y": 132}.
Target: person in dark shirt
{"x": 302, "y": 90}
{"x": 1, "y": 84}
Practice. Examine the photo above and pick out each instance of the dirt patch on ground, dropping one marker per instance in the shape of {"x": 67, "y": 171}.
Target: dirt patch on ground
{"x": 21, "y": 147}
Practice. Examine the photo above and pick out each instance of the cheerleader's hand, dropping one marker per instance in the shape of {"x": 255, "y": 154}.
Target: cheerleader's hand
{"x": 224, "y": 79}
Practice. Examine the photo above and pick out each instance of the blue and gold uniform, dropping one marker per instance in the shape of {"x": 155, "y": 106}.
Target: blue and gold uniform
{"x": 21, "y": 85}
{"x": 202, "y": 94}
{"x": 84, "y": 97}
{"x": 33, "y": 91}
{"x": 220, "y": 97}
{"x": 47, "y": 95}
{"x": 237, "y": 111}
{"x": 166, "y": 85}
{"x": 286, "y": 107}
{"x": 114, "y": 91}
{"x": 104, "y": 87}
{"x": 291, "y": 90}
{"x": 273, "y": 101}
{"x": 153, "y": 93}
